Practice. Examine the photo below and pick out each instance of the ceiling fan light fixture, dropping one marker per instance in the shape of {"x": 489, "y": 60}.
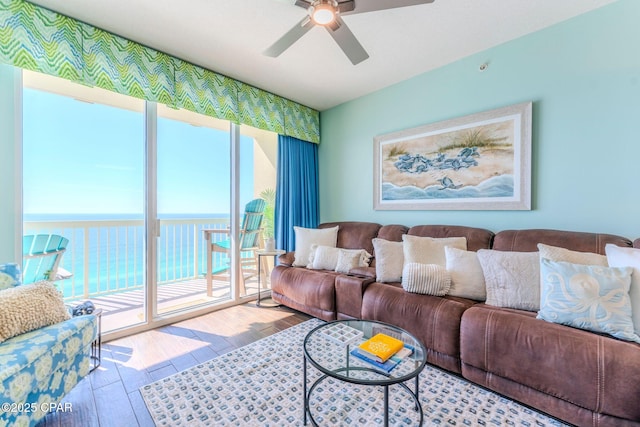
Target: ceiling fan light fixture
{"x": 323, "y": 12}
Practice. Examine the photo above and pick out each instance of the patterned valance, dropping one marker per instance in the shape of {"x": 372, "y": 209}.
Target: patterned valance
{"x": 38, "y": 39}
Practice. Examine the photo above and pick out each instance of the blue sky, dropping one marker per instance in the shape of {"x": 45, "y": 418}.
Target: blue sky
{"x": 83, "y": 158}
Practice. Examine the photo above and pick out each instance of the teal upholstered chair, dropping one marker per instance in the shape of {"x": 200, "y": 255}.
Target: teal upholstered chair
{"x": 41, "y": 254}
{"x": 249, "y": 240}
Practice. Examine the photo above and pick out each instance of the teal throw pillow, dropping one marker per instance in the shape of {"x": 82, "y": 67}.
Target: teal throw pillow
{"x": 9, "y": 275}
{"x": 588, "y": 297}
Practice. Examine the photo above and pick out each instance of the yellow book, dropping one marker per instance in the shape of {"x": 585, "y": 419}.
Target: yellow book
{"x": 380, "y": 347}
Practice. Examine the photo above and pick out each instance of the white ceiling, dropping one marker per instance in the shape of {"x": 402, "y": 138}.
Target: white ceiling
{"x": 229, "y": 36}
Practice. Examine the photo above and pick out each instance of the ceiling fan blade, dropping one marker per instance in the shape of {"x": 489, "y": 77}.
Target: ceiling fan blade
{"x": 362, "y": 6}
{"x": 347, "y": 42}
{"x": 284, "y": 42}
{"x": 302, "y": 3}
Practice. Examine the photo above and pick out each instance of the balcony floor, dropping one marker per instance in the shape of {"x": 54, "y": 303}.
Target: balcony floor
{"x": 126, "y": 308}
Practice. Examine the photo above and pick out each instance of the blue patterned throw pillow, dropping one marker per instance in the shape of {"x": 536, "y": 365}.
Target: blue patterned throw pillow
{"x": 588, "y": 297}
{"x": 9, "y": 275}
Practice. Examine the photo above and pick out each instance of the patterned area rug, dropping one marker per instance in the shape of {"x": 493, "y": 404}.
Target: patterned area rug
{"x": 261, "y": 385}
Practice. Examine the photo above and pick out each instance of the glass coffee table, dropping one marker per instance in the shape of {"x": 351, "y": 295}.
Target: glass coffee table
{"x": 330, "y": 348}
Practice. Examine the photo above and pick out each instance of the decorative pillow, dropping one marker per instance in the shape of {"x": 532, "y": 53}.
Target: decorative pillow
{"x": 327, "y": 258}
{"x": 28, "y": 307}
{"x": 323, "y": 257}
{"x": 9, "y": 275}
{"x": 554, "y": 253}
{"x": 467, "y": 278}
{"x": 428, "y": 279}
{"x": 305, "y": 237}
{"x": 389, "y": 260}
{"x": 348, "y": 260}
{"x": 628, "y": 257}
{"x": 428, "y": 250}
{"x": 512, "y": 278}
{"x": 588, "y": 297}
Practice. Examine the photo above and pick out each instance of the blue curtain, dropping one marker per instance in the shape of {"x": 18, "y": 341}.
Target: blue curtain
{"x": 297, "y": 189}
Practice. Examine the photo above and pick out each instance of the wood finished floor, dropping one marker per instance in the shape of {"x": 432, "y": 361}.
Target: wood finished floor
{"x": 109, "y": 396}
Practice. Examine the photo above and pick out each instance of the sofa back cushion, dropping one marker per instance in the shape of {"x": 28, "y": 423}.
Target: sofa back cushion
{"x": 355, "y": 234}
{"x": 477, "y": 238}
{"x": 527, "y": 240}
{"x": 392, "y": 232}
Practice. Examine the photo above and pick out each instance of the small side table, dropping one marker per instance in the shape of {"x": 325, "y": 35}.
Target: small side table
{"x": 96, "y": 345}
{"x": 268, "y": 302}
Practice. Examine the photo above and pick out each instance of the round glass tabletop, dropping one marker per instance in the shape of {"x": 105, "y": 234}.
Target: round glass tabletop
{"x": 333, "y": 348}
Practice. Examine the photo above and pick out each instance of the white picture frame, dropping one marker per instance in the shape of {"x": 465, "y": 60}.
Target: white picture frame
{"x": 477, "y": 162}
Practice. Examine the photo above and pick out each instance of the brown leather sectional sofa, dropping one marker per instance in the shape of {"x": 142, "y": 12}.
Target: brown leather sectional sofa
{"x": 581, "y": 377}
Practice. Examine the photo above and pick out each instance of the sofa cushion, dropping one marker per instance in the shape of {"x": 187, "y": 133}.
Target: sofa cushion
{"x": 429, "y": 250}
{"x": 428, "y": 279}
{"x": 512, "y": 278}
{"x": 554, "y": 253}
{"x": 588, "y": 297}
{"x": 628, "y": 257}
{"x": 477, "y": 238}
{"x": 28, "y": 307}
{"x": 389, "y": 260}
{"x": 309, "y": 291}
{"x": 435, "y": 321}
{"x": 307, "y": 237}
{"x": 9, "y": 275}
{"x": 354, "y": 234}
{"x": 467, "y": 278}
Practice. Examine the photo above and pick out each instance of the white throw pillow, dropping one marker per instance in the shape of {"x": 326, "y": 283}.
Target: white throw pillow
{"x": 428, "y": 279}
{"x": 328, "y": 258}
{"x": 556, "y": 254}
{"x": 628, "y": 257}
{"x": 348, "y": 260}
{"x": 429, "y": 250}
{"x": 512, "y": 278}
{"x": 467, "y": 278}
{"x": 323, "y": 257}
{"x": 306, "y": 237}
{"x": 389, "y": 260}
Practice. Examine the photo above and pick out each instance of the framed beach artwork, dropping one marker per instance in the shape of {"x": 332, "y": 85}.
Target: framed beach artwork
{"x": 477, "y": 162}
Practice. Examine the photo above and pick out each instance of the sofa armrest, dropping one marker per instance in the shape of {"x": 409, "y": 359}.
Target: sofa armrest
{"x": 349, "y": 292}
{"x": 286, "y": 259}
{"x": 369, "y": 272}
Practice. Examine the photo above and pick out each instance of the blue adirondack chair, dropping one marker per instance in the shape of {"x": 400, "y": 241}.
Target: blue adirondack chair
{"x": 41, "y": 254}
{"x": 249, "y": 240}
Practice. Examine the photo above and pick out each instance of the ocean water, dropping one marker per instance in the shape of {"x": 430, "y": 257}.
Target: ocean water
{"x": 106, "y": 252}
{"x": 499, "y": 186}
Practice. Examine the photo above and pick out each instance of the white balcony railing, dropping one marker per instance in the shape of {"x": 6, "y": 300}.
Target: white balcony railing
{"x": 107, "y": 256}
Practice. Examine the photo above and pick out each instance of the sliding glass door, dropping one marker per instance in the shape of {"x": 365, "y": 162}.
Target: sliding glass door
{"x": 164, "y": 209}
{"x": 193, "y": 210}
{"x": 83, "y": 178}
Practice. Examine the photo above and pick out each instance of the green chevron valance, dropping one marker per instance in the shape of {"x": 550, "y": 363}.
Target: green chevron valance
{"x": 37, "y": 39}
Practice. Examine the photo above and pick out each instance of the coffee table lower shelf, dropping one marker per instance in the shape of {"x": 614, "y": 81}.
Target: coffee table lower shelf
{"x": 307, "y": 394}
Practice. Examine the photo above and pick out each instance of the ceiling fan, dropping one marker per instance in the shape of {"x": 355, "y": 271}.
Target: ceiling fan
{"x": 327, "y": 14}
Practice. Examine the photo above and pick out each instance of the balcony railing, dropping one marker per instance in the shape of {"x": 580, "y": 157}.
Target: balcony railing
{"x": 107, "y": 256}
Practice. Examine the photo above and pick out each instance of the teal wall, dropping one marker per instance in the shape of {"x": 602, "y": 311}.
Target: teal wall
{"x": 583, "y": 76}
{"x": 10, "y": 194}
